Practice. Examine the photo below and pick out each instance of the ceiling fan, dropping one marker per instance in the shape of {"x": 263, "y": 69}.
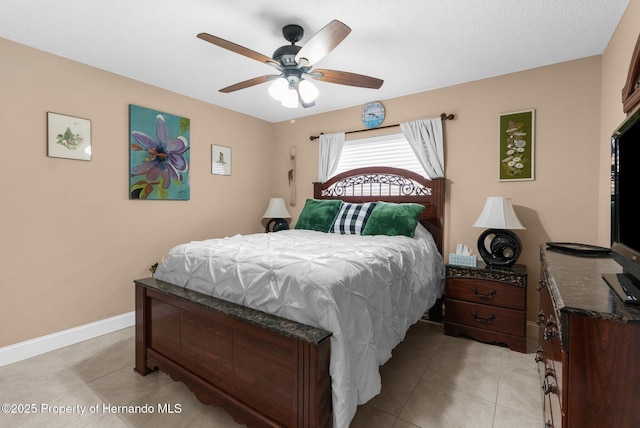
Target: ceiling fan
{"x": 295, "y": 64}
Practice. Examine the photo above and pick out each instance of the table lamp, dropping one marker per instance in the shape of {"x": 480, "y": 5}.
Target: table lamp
{"x": 276, "y": 212}
{"x": 498, "y": 246}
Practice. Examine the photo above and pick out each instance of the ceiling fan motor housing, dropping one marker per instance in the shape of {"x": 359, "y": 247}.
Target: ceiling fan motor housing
{"x": 286, "y": 55}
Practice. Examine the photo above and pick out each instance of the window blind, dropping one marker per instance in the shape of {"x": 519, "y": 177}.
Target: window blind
{"x": 386, "y": 150}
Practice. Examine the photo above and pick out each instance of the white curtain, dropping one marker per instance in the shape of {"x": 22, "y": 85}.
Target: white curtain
{"x": 425, "y": 138}
{"x": 330, "y": 150}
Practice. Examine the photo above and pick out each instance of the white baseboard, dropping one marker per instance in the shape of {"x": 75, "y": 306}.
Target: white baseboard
{"x": 51, "y": 342}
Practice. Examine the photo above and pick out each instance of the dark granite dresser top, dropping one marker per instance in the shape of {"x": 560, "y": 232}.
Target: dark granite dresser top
{"x": 283, "y": 326}
{"x": 576, "y": 286}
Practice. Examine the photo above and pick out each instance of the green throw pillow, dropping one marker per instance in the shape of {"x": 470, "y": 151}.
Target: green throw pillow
{"x": 393, "y": 219}
{"x": 318, "y": 214}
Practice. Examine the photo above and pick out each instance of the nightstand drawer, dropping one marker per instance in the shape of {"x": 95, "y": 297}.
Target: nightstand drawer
{"x": 503, "y": 320}
{"x": 486, "y": 292}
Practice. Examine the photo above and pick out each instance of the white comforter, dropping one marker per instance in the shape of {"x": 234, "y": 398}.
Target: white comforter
{"x": 366, "y": 290}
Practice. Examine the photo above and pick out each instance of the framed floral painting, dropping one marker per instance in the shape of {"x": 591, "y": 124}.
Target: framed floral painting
{"x": 68, "y": 137}
{"x": 517, "y": 145}
{"x": 159, "y": 155}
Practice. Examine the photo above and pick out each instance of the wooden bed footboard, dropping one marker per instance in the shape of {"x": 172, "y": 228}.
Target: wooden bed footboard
{"x": 264, "y": 370}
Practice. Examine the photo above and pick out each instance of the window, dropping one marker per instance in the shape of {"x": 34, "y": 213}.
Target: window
{"x": 386, "y": 150}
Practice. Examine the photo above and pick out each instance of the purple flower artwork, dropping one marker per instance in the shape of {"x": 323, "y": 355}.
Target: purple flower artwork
{"x": 159, "y": 155}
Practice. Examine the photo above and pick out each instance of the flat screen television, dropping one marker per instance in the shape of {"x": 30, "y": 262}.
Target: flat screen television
{"x": 625, "y": 209}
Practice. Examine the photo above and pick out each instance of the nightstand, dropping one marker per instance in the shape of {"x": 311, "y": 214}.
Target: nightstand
{"x": 487, "y": 304}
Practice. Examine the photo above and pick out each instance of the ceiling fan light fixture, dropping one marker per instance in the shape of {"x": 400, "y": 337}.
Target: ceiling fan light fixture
{"x": 278, "y": 89}
{"x": 308, "y": 91}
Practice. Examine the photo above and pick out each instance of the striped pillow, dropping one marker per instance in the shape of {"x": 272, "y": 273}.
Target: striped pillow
{"x": 352, "y": 218}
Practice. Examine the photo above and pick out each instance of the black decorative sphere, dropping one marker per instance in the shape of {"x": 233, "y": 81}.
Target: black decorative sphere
{"x": 503, "y": 249}
{"x": 276, "y": 224}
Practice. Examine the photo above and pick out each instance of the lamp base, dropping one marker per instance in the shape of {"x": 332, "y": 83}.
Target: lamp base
{"x": 503, "y": 250}
{"x": 276, "y": 224}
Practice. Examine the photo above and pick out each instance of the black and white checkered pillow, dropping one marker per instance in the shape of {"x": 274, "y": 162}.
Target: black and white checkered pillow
{"x": 352, "y": 218}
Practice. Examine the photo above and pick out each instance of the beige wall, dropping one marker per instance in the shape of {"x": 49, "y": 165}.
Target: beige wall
{"x": 71, "y": 241}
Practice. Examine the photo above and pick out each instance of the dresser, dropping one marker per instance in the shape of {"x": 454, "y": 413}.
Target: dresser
{"x": 589, "y": 345}
{"x": 487, "y": 304}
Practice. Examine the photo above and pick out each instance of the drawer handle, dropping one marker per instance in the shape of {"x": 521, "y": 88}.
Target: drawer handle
{"x": 483, "y": 320}
{"x": 550, "y": 321}
{"x": 550, "y": 373}
{"x": 548, "y": 334}
{"x": 483, "y": 296}
{"x": 548, "y": 388}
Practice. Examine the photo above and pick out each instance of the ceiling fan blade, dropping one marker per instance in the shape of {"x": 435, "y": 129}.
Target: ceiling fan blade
{"x": 238, "y": 49}
{"x": 323, "y": 42}
{"x": 345, "y": 78}
{"x": 248, "y": 83}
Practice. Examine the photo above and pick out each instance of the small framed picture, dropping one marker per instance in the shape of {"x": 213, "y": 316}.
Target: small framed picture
{"x": 68, "y": 137}
{"x": 517, "y": 145}
{"x": 220, "y": 160}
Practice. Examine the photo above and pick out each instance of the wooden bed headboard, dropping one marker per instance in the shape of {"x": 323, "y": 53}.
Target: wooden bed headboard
{"x": 390, "y": 185}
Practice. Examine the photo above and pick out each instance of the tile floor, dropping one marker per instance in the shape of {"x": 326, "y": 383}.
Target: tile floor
{"x": 432, "y": 381}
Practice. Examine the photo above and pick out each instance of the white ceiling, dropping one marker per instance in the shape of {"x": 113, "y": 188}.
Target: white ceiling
{"x": 413, "y": 45}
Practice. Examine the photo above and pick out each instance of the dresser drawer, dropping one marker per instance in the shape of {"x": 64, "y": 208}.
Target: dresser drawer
{"x": 490, "y": 318}
{"x": 486, "y": 292}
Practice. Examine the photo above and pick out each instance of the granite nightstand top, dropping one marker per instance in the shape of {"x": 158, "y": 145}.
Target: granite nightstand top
{"x": 515, "y": 275}
{"x": 280, "y": 325}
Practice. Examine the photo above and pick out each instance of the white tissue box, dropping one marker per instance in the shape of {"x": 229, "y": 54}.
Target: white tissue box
{"x": 463, "y": 260}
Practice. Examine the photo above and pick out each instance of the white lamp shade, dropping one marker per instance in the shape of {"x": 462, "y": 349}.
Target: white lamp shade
{"x": 276, "y": 209}
{"x": 308, "y": 91}
{"x": 285, "y": 92}
{"x": 278, "y": 89}
{"x": 290, "y": 99}
{"x": 498, "y": 214}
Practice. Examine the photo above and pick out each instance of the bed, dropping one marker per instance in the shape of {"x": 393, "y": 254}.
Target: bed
{"x": 274, "y": 338}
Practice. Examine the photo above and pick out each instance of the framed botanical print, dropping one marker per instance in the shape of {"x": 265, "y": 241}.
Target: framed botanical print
{"x": 220, "y": 160}
{"x": 517, "y": 145}
{"x": 68, "y": 137}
